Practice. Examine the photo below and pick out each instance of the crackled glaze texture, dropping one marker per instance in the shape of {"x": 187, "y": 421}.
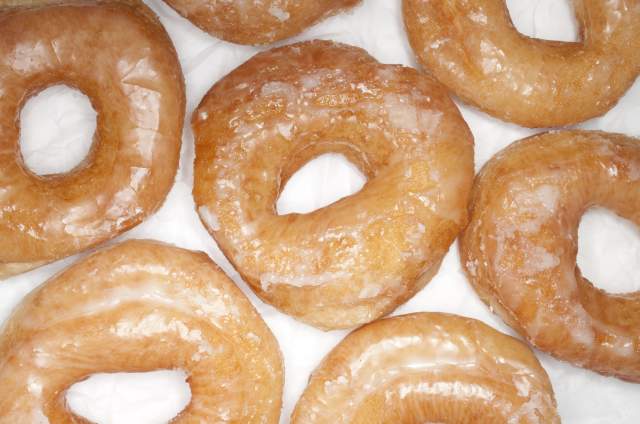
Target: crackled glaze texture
{"x": 428, "y": 368}
{"x": 358, "y": 258}
{"x": 519, "y": 250}
{"x": 136, "y": 307}
{"x": 473, "y": 48}
{"x": 257, "y": 21}
{"x": 118, "y": 54}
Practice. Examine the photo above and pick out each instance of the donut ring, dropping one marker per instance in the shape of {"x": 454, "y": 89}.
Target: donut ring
{"x": 519, "y": 250}
{"x": 257, "y": 22}
{"x": 360, "y": 257}
{"x": 138, "y": 307}
{"x": 473, "y": 48}
{"x": 119, "y": 55}
{"x": 428, "y": 368}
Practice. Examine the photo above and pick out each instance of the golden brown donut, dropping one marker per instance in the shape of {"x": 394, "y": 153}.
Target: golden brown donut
{"x": 428, "y": 368}
{"x": 358, "y": 258}
{"x": 136, "y": 307}
{"x": 519, "y": 250}
{"x": 119, "y": 55}
{"x": 472, "y": 47}
{"x": 257, "y": 21}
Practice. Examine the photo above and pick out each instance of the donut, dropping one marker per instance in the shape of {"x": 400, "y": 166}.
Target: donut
{"x": 428, "y": 368}
{"x": 119, "y": 55}
{"x": 257, "y": 22}
{"x": 519, "y": 250}
{"x": 141, "y": 306}
{"x": 359, "y": 258}
{"x": 472, "y": 47}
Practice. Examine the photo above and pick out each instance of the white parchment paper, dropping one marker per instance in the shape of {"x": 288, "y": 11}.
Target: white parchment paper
{"x": 609, "y": 246}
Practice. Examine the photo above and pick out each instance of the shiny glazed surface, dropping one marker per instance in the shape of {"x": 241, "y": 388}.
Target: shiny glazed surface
{"x": 519, "y": 250}
{"x": 360, "y": 257}
{"x": 119, "y": 55}
{"x": 428, "y": 367}
{"x": 473, "y": 48}
{"x": 257, "y": 21}
{"x": 136, "y": 307}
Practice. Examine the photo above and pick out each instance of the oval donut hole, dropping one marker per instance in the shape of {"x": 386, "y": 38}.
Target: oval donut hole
{"x": 56, "y": 130}
{"x": 609, "y": 251}
{"x": 538, "y": 19}
{"x": 143, "y": 398}
{"x": 319, "y": 183}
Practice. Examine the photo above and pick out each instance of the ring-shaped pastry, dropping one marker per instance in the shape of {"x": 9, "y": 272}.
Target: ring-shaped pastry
{"x": 141, "y": 306}
{"x": 360, "y": 257}
{"x": 119, "y": 55}
{"x": 428, "y": 368}
{"x": 519, "y": 250}
{"x": 472, "y": 47}
{"x": 257, "y": 22}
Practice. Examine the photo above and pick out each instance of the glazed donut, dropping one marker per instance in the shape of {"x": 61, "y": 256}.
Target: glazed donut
{"x": 428, "y": 368}
{"x": 257, "y": 22}
{"x": 473, "y": 48}
{"x": 519, "y": 250}
{"x": 360, "y": 257}
{"x": 136, "y": 307}
{"x": 119, "y": 55}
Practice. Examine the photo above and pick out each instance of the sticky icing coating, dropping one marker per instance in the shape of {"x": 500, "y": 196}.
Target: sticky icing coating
{"x": 428, "y": 368}
{"x": 119, "y": 55}
{"x": 358, "y": 258}
{"x": 472, "y": 47}
{"x": 136, "y": 307}
{"x": 519, "y": 250}
{"x": 257, "y": 21}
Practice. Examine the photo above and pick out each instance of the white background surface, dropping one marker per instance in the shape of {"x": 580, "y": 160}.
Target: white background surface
{"x": 56, "y": 135}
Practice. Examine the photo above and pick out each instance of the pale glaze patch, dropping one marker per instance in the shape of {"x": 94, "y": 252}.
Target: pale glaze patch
{"x": 519, "y": 250}
{"x": 136, "y": 307}
{"x": 427, "y": 367}
{"x": 358, "y": 258}
{"x": 118, "y": 54}
{"x": 257, "y": 21}
{"x": 473, "y": 48}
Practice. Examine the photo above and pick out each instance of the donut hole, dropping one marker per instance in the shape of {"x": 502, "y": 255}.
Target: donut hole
{"x": 56, "y": 130}
{"x": 609, "y": 251}
{"x": 320, "y": 182}
{"x": 540, "y": 19}
{"x": 150, "y": 397}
